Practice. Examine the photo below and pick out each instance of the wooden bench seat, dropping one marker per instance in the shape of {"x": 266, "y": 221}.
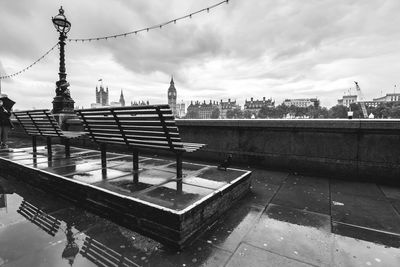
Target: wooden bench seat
{"x": 41, "y": 122}
{"x": 139, "y": 127}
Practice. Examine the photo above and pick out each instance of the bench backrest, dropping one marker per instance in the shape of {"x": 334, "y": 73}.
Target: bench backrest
{"x": 151, "y": 126}
{"x": 38, "y": 122}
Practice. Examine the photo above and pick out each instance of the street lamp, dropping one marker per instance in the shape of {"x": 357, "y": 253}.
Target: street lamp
{"x": 62, "y": 102}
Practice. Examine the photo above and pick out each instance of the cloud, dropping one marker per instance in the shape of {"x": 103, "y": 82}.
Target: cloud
{"x": 275, "y": 48}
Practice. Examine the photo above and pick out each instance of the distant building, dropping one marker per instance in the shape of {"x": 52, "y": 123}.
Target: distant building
{"x": 115, "y": 104}
{"x": 181, "y": 110}
{"x": 96, "y": 105}
{"x": 172, "y": 97}
{"x": 102, "y": 96}
{"x": 203, "y": 110}
{"x": 347, "y": 100}
{"x": 388, "y": 98}
{"x": 122, "y": 99}
{"x": 254, "y": 106}
{"x": 193, "y": 108}
{"x": 140, "y": 103}
{"x": 206, "y": 109}
{"x": 225, "y": 106}
{"x": 301, "y": 102}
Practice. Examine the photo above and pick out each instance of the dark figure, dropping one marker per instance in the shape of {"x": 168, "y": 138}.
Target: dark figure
{"x": 226, "y": 163}
{"x": 5, "y": 125}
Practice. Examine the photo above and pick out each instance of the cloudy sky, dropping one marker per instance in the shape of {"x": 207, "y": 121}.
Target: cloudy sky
{"x": 248, "y": 48}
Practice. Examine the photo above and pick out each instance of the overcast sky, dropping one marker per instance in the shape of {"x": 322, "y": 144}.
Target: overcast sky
{"x": 248, "y": 48}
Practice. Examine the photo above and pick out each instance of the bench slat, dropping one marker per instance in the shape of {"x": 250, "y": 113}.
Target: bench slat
{"x": 137, "y": 137}
{"x": 128, "y": 118}
{"x": 132, "y": 123}
{"x": 129, "y": 127}
{"x": 128, "y": 131}
{"x": 108, "y": 141}
{"x": 116, "y": 109}
{"x": 125, "y": 113}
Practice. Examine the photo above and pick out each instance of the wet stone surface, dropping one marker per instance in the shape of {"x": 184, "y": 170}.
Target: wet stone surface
{"x": 276, "y": 224}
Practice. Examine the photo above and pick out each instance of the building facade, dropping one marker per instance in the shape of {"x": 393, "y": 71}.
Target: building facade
{"x": 388, "y": 98}
{"x": 172, "y": 95}
{"x": 254, "y": 106}
{"x": 181, "y": 110}
{"x": 140, "y": 103}
{"x": 225, "y": 106}
{"x": 198, "y": 110}
{"x": 102, "y": 96}
{"x": 347, "y": 100}
{"x": 301, "y": 102}
{"x": 193, "y": 110}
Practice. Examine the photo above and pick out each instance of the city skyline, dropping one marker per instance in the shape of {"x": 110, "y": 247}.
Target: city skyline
{"x": 244, "y": 49}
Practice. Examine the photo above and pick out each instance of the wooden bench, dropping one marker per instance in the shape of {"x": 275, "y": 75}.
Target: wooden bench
{"x": 41, "y": 122}
{"x": 139, "y": 127}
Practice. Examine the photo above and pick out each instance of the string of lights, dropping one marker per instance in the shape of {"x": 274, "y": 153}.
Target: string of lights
{"x": 30, "y": 66}
{"x": 157, "y": 26}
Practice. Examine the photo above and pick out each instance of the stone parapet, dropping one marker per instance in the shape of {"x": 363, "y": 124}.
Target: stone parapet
{"x": 363, "y": 150}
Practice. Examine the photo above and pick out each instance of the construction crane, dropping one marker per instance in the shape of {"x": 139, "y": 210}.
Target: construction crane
{"x": 361, "y": 101}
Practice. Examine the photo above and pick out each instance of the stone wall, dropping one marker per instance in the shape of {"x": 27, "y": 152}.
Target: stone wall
{"x": 367, "y": 150}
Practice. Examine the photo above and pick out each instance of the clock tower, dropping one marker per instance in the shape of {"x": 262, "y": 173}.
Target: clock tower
{"x": 172, "y": 96}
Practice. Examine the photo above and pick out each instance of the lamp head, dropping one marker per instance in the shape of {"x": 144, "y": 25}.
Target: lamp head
{"x": 61, "y": 23}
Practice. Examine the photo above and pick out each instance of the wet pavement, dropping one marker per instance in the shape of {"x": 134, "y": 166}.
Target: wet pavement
{"x": 286, "y": 220}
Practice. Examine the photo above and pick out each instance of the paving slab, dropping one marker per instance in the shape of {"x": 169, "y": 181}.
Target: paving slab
{"x": 391, "y": 192}
{"x": 229, "y": 230}
{"x": 55, "y": 254}
{"x": 24, "y": 238}
{"x": 270, "y": 176}
{"x": 263, "y": 189}
{"x": 341, "y": 187}
{"x": 366, "y": 234}
{"x": 304, "y": 193}
{"x": 247, "y": 255}
{"x": 368, "y": 212}
{"x": 353, "y": 252}
{"x": 396, "y": 205}
{"x": 301, "y": 235}
{"x": 137, "y": 250}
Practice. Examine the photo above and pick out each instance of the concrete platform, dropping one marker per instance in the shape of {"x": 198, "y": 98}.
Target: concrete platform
{"x": 153, "y": 206}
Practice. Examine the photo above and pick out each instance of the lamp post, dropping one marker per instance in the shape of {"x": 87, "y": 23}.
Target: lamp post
{"x": 62, "y": 102}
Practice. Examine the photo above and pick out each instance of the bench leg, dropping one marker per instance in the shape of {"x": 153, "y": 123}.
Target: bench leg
{"x": 135, "y": 166}
{"x": 103, "y": 160}
{"x": 34, "y": 144}
{"x": 103, "y": 155}
{"x": 179, "y": 172}
{"x": 49, "y": 152}
{"x": 67, "y": 148}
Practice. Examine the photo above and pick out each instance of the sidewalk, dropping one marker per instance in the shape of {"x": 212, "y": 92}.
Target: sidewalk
{"x": 286, "y": 220}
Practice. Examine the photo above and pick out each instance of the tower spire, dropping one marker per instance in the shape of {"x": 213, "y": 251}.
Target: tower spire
{"x": 172, "y": 96}
{"x": 122, "y": 99}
